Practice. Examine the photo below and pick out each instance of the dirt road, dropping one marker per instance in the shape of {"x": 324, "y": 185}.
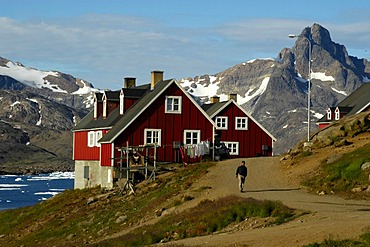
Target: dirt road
{"x": 329, "y": 217}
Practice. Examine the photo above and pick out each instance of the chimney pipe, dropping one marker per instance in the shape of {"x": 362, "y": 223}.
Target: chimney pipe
{"x": 156, "y": 76}
{"x": 129, "y": 82}
{"x": 233, "y": 96}
{"x": 215, "y": 99}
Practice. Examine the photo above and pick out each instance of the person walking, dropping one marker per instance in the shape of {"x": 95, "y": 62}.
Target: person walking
{"x": 241, "y": 174}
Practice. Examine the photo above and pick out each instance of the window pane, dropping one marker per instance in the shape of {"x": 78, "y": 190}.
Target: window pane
{"x": 176, "y": 104}
{"x": 169, "y": 104}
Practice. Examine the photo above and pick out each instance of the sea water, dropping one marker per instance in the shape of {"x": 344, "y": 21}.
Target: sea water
{"x": 20, "y": 191}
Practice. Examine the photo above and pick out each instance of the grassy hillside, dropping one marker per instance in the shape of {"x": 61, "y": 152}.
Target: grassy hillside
{"x": 335, "y": 162}
{"x": 96, "y": 216}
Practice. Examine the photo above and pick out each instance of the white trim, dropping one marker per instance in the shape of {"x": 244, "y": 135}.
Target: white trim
{"x": 104, "y": 105}
{"x": 192, "y": 132}
{"x": 91, "y": 139}
{"x": 224, "y": 120}
{"x": 92, "y": 129}
{"x": 243, "y": 110}
{"x": 231, "y": 148}
{"x": 336, "y": 114}
{"x": 73, "y": 145}
{"x": 244, "y": 121}
{"x": 363, "y": 108}
{"x": 112, "y": 155}
{"x": 98, "y": 136}
{"x": 158, "y": 131}
{"x": 179, "y": 98}
{"x": 95, "y": 108}
{"x": 328, "y": 114}
{"x": 121, "y": 102}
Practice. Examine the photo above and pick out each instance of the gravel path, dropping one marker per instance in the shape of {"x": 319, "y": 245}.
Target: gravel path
{"x": 330, "y": 216}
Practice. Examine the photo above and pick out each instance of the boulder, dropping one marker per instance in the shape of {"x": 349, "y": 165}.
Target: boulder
{"x": 365, "y": 166}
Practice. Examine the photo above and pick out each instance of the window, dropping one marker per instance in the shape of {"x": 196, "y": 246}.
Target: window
{"x": 173, "y": 104}
{"x": 98, "y": 135}
{"x": 191, "y": 136}
{"x": 329, "y": 114}
{"x": 233, "y": 147}
{"x": 241, "y": 123}
{"x": 152, "y": 136}
{"x": 337, "y": 114}
{"x": 86, "y": 172}
{"x": 93, "y": 138}
{"x": 221, "y": 122}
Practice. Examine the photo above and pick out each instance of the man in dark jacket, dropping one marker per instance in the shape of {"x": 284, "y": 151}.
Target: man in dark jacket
{"x": 241, "y": 174}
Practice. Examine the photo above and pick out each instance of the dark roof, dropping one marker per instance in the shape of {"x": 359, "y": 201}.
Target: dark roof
{"x": 99, "y": 96}
{"x": 211, "y": 108}
{"x": 135, "y": 110}
{"x": 134, "y": 92}
{"x": 359, "y": 99}
{"x": 88, "y": 122}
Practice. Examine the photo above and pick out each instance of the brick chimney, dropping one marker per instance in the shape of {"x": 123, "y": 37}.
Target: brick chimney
{"x": 156, "y": 77}
{"x": 129, "y": 82}
{"x": 233, "y": 96}
{"x": 215, "y": 99}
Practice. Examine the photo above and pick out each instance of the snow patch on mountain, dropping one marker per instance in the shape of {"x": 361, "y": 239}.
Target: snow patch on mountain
{"x": 200, "y": 90}
{"x": 86, "y": 89}
{"x": 338, "y": 91}
{"x": 30, "y": 76}
{"x": 247, "y": 97}
{"x": 317, "y": 114}
{"x": 321, "y": 76}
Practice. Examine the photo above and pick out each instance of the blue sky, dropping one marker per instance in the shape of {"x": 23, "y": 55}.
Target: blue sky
{"x": 105, "y": 41}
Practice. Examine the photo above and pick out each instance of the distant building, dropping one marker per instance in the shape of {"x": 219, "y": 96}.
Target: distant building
{"x": 160, "y": 116}
{"x": 358, "y": 101}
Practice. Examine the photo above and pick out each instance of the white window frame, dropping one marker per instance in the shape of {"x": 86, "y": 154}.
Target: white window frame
{"x": 104, "y": 107}
{"x": 91, "y": 139}
{"x": 152, "y": 131}
{"x": 337, "y": 114}
{"x": 121, "y": 103}
{"x": 192, "y": 132}
{"x": 169, "y": 108}
{"x": 98, "y": 136}
{"x": 241, "y": 126}
{"x": 233, "y": 147}
{"x": 328, "y": 114}
{"x": 95, "y": 108}
{"x": 222, "y": 122}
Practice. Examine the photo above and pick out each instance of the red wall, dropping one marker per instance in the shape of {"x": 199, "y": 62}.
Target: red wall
{"x": 251, "y": 140}
{"x": 80, "y": 150}
{"x": 106, "y": 154}
{"x": 321, "y": 126}
{"x": 172, "y": 125}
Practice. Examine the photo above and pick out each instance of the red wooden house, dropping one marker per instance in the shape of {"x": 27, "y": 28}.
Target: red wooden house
{"x": 240, "y": 132}
{"x": 162, "y": 114}
{"x": 356, "y": 102}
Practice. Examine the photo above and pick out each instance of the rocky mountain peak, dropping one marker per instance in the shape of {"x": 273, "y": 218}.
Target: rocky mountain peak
{"x": 274, "y": 91}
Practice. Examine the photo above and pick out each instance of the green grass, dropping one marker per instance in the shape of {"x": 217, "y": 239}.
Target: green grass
{"x": 67, "y": 219}
{"x": 202, "y": 220}
{"x": 343, "y": 174}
